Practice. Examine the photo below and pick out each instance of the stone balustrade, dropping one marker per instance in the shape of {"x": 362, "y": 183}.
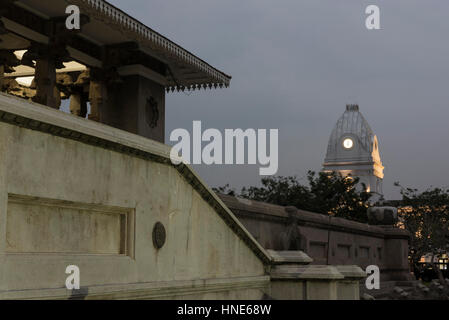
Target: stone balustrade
{"x": 327, "y": 240}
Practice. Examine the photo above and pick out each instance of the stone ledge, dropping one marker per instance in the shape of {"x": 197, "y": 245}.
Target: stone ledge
{"x": 152, "y": 290}
{"x": 266, "y": 211}
{"x": 310, "y": 272}
{"x": 289, "y": 257}
{"x": 351, "y": 272}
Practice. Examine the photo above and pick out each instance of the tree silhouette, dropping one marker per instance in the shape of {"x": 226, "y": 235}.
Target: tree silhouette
{"x": 326, "y": 193}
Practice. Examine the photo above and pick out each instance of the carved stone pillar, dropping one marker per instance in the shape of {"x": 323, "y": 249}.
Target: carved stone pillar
{"x": 138, "y": 106}
{"x": 74, "y": 86}
{"x": 78, "y": 104}
{"x": 98, "y": 94}
{"x": 97, "y": 97}
{"x": 49, "y": 58}
{"x": 45, "y": 76}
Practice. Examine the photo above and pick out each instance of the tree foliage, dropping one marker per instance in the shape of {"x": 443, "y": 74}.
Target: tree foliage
{"x": 325, "y": 193}
{"x": 426, "y": 216}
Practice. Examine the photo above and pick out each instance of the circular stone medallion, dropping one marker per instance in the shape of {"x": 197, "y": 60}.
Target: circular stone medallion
{"x": 159, "y": 235}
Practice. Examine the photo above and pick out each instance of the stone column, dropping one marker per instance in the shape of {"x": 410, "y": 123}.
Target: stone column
{"x": 137, "y": 105}
{"x": 50, "y": 57}
{"x": 78, "y": 105}
{"x": 396, "y": 243}
{"x": 396, "y": 255}
{"x": 75, "y": 87}
{"x": 97, "y": 98}
{"x": 45, "y": 78}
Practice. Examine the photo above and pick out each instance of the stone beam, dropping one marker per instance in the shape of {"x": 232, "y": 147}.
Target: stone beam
{"x": 129, "y": 53}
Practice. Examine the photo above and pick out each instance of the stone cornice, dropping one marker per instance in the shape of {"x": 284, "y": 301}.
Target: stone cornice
{"x": 289, "y": 257}
{"x": 37, "y": 117}
{"x": 351, "y": 272}
{"x": 307, "y": 272}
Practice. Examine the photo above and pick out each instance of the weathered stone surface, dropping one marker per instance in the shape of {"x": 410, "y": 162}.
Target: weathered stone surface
{"x": 327, "y": 240}
{"x": 83, "y": 183}
{"x": 289, "y": 257}
{"x": 73, "y": 191}
{"x": 366, "y": 296}
{"x": 305, "y": 282}
{"x": 382, "y": 215}
{"x": 292, "y": 277}
{"x": 349, "y": 288}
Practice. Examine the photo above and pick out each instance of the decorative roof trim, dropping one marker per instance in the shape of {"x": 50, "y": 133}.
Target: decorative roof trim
{"x": 158, "y": 42}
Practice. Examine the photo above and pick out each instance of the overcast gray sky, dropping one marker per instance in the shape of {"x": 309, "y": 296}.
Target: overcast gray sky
{"x": 296, "y": 64}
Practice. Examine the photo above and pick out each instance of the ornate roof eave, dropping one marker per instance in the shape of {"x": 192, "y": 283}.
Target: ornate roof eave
{"x": 173, "y": 54}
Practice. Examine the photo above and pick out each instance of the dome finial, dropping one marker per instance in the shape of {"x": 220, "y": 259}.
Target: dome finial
{"x": 352, "y": 107}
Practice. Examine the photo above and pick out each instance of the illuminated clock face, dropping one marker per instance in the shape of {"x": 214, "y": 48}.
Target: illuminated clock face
{"x": 348, "y": 143}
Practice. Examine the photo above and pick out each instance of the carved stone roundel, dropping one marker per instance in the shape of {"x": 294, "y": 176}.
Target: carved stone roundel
{"x": 159, "y": 235}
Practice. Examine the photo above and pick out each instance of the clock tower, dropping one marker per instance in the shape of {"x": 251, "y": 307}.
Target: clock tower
{"x": 353, "y": 150}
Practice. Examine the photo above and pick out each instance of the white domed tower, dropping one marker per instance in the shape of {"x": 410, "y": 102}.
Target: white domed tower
{"x": 354, "y": 150}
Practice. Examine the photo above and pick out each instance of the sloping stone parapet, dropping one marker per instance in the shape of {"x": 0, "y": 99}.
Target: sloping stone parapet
{"x": 293, "y": 278}
{"x": 77, "y": 192}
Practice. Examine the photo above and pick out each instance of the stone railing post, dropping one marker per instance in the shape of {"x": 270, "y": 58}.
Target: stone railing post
{"x": 396, "y": 243}
{"x": 292, "y": 278}
{"x": 349, "y": 288}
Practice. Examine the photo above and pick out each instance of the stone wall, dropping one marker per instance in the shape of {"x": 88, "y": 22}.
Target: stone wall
{"x": 77, "y": 192}
{"x": 327, "y": 240}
